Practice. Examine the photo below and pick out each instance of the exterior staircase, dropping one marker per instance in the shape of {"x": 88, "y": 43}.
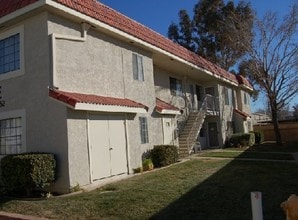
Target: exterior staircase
{"x": 188, "y": 136}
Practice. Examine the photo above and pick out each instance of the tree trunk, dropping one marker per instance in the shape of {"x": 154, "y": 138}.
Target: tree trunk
{"x": 276, "y": 126}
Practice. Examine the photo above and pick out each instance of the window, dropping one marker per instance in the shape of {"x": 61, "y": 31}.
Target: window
{"x": 10, "y": 136}
{"x": 10, "y": 54}
{"x": 137, "y": 62}
{"x": 228, "y": 96}
{"x": 199, "y": 93}
{"x": 144, "y": 130}
{"x": 176, "y": 86}
{"x": 249, "y": 125}
{"x": 246, "y": 98}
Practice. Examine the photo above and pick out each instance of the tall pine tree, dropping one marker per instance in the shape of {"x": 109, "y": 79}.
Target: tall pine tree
{"x": 215, "y": 31}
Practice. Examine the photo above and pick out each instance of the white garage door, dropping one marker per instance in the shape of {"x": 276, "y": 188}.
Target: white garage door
{"x": 108, "y": 146}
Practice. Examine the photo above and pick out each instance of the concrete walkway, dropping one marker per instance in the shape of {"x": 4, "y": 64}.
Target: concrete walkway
{"x": 13, "y": 216}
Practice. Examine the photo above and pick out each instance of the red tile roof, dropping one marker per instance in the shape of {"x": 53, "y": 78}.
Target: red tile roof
{"x": 9, "y": 6}
{"x": 241, "y": 113}
{"x": 72, "y": 99}
{"x": 162, "y": 105}
{"x": 119, "y": 21}
{"x": 243, "y": 81}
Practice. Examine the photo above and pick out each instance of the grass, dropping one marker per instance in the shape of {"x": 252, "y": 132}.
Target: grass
{"x": 249, "y": 155}
{"x": 196, "y": 189}
{"x": 268, "y": 151}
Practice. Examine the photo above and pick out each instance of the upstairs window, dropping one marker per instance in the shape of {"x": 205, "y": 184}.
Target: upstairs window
{"x": 10, "y": 136}
{"x": 144, "y": 130}
{"x": 10, "y": 54}
{"x": 246, "y": 98}
{"x": 137, "y": 62}
{"x": 228, "y": 96}
{"x": 176, "y": 86}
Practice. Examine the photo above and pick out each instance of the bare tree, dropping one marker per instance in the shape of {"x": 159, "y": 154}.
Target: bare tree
{"x": 295, "y": 113}
{"x": 273, "y": 61}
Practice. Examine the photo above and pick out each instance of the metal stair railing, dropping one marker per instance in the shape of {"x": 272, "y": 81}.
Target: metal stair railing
{"x": 197, "y": 125}
{"x": 182, "y": 120}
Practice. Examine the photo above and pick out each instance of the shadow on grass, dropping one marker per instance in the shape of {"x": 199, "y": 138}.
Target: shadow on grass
{"x": 226, "y": 194}
{"x": 3, "y": 200}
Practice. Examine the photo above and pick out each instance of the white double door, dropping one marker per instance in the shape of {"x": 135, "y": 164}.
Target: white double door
{"x": 107, "y": 145}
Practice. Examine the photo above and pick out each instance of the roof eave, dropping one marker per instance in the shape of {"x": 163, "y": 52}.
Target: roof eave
{"x": 168, "y": 112}
{"x": 101, "y": 108}
{"x": 22, "y": 11}
{"x": 108, "y": 108}
{"x": 246, "y": 87}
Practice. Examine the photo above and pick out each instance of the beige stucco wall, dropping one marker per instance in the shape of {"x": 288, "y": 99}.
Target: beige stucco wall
{"x": 45, "y": 119}
{"x": 78, "y": 151}
{"x": 103, "y": 66}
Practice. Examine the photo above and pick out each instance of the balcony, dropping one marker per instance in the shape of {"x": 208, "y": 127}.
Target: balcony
{"x": 212, "y": 105}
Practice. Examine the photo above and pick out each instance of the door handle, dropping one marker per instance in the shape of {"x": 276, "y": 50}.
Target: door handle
{"x": 110, "y": 148}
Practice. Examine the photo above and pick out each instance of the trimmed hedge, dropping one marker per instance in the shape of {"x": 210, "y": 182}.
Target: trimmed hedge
{"x": 242, "y": 140}
{"x": 259, "y": 136}
{"x": 27, "y": 172}
{"x": 163, "y": 155}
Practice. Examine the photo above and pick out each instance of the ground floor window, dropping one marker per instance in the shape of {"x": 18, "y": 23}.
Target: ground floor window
{"x": 10, "y": 136}
{"x": 144, "y": 130}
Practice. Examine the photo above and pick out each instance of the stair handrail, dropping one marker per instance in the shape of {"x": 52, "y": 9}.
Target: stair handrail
{"x": 183, "y": 118}
{"x": 191, "y": 138}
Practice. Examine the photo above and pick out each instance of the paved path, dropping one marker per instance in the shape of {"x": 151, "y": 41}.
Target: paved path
{"x": 13, "y": 216}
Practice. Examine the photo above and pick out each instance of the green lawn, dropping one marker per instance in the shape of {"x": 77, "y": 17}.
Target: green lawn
{"x": 267, "y": 151}
{"x": 196, "y": 189}
{"x": 249, "y": 155}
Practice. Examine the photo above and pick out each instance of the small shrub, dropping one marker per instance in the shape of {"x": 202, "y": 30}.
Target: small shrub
{"x": 163, "y": 155}
{"x": 75, "y": 188}
{"x": 27, "y": 172}
{"x": 242, "y": 140}
{"x": 148, "y": 164}
{"x": 259, "y": 136}
{"x": 138, "y": 170}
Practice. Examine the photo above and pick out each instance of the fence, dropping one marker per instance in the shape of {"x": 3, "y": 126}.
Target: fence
{"x": 288, "y": 130}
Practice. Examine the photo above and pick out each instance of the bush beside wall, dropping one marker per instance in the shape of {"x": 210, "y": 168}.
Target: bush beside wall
{"x": 242, "y": 140}
{"x": 259, "y": 136}
{"x": 163, "y": 155}
{"x": 27, "y": 172}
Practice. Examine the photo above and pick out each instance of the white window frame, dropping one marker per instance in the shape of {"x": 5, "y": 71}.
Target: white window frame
{"x": 17, "y": 114}
{"x": 8, "y": 33}
{"x": 144, "y": 130}
{"x": 138, "y": 68}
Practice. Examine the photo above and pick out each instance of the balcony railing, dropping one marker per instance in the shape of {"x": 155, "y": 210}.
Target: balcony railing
{"x": 212, "y": 104}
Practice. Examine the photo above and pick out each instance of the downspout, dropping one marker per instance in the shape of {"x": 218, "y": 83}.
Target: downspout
{"x": 163, "y": 130}
{"x": 84, "y": 28}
